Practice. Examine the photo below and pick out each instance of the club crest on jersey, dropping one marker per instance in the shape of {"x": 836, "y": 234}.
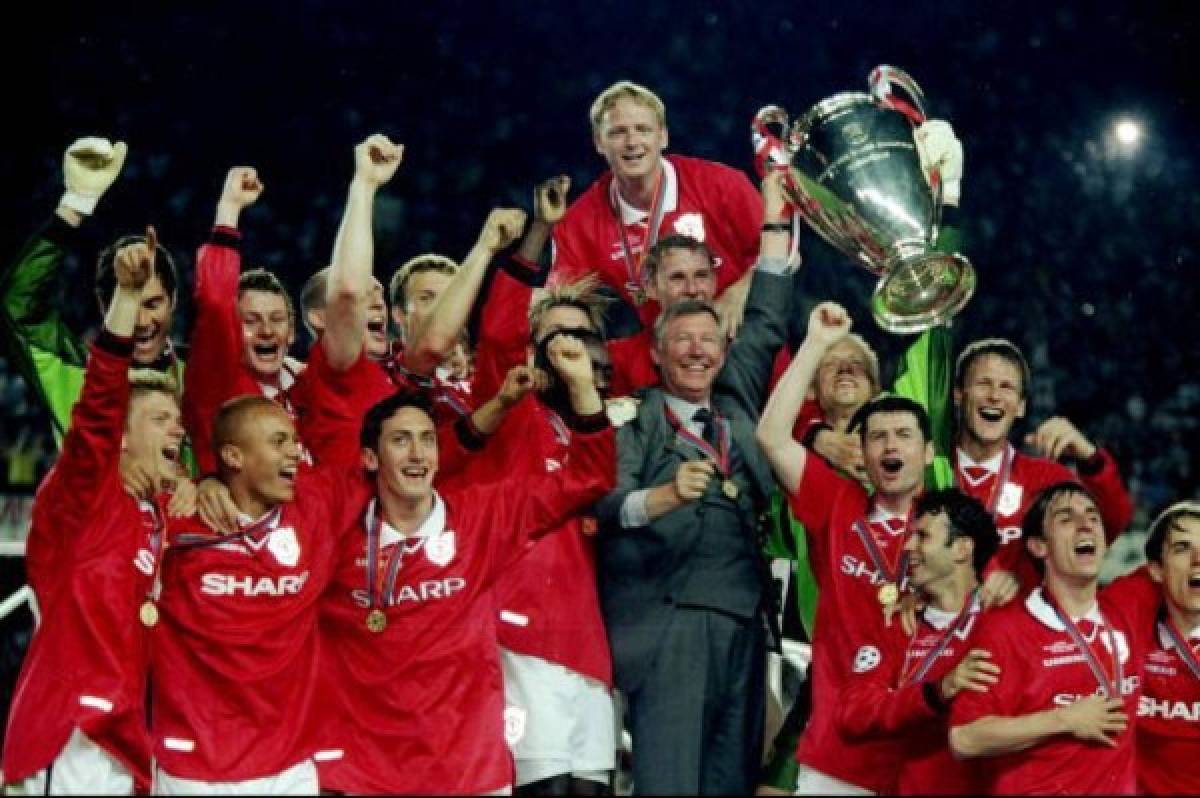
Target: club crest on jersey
{"x": 439, "y": 549}
{"x": 283, "y": 544}
{"x": 867, "y": 659}
{"x": 1010, "y": 499}
{"x": 691, "y": 225}
{"x": 514, "y": 725}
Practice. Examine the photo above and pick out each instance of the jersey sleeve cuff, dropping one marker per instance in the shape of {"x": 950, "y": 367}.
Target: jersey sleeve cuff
{"x": 224, "y": 236}
{"x": 596, "y": 422}
{"x": 524, "y": 270}
{"x": 118, "y": 345}
{"x": 468, "y": 434}
{"x": 933, "y": 698}
{"x": 1094, "y": 464}
{"x": 61, "y": 234}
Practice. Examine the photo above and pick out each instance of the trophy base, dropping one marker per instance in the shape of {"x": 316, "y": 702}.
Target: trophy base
{"x": 922, "y": 291}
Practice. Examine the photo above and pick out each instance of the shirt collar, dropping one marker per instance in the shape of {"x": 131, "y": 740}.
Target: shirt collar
{"x": 939, "y": 619}
{"x": 1040, "y": 608}
{"x": 992, "y": 464}
{"x": 682, "y": 408}
{"x": 881, "y": 515}
{"x": 632, "y": 215}
{"x": 1164, "y": 637}
{"x": 432, "y": 525}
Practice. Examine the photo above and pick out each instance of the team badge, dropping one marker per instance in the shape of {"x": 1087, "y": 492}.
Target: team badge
{"x": 691, "y": 225}
{"x": 514, "y": 725}
{"x": 283, "y": 544}
{"x": 867, "y": 659}
{"x": 1010, "y": 499}
{"x": 439, "y": 549}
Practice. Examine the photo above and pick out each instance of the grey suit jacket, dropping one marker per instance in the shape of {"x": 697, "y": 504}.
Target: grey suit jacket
{"x": 641, "y": 570}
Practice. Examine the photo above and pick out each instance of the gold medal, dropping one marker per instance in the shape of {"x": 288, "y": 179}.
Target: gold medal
{"x": 376, "y": 621}
{"x": 889, "y": 594}
{"x": 730, "y": 489}
{"x": 148, "y": 613}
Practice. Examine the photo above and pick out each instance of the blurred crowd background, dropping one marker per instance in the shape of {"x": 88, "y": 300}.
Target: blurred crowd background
{"x": 1086, "y": 251}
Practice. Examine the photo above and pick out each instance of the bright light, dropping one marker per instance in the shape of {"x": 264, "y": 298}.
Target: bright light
{"x": 1128, "y": 133}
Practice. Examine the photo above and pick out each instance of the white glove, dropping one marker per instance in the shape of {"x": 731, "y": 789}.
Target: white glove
{"x": 90, "y": 166}
{"x": 940, "y": 149}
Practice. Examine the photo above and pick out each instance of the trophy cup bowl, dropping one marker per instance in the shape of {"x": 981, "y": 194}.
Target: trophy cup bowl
{"x": 855, "y": 177}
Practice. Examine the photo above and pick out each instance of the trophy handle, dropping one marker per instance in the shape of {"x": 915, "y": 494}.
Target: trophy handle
{"x": 768, "y": 135}
{"x": 884, "y": 80}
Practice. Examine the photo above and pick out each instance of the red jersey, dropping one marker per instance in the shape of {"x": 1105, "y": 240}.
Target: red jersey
{"x": 423, "y": 698}
{"x": 1168, "y": 719}
{"x": 1026, "y": 477}
{"x": 834, "y": 510}
{"x": 216, "y": 372}
{"x": 708, "y": 201}
{"x": 91, "y": 557}
{"x": 1041, "y": 667}
{"x": 885, "y": 698}
{"x": 235, "y": 662}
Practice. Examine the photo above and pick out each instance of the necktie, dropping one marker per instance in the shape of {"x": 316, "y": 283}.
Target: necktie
{"x": 708, "y": 429}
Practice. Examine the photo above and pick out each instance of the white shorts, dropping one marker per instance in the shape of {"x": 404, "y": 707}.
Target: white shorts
{"x": 81, "y": 768}
{"x": 299, "y": 779}
{"x": 556, "y": 721}
{"x": 814, "y": 782}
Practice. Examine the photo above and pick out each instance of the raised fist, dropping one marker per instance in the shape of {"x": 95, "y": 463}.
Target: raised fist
{"x": 828, "y": 323}
{"x": 242, "y": 187}
{"x": 502, "y": 228}
{"x": 133, "y": 264}
{"x": 550, "y": 199}
{"x": 569, "y": 357}
{"x": 90, "y": 166}
{"x": 376, "y": 159}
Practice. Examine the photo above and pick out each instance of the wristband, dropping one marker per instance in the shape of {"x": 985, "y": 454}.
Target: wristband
{"x": 80, "y": 203}
{"x": 777, "y": 227}
{"x": 933, "y": 697}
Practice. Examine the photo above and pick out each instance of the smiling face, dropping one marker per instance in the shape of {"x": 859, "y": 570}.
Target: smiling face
{"x": 1179, "y": 571}
{"x": 155, "y": 315}
{"x": 407, "y": 457}
{"x": 631, "y": 139}
{"x": 689, "y": 356}
{"x": 1073, "y": 545}
{"x": 990, "y": 400}
{"x": 154, "y": 433}
{"x": 931, "y": 559}
{"x": 266, "y": 332}
{"x": 263, "y": 458}
{"x": 895, "y": 453}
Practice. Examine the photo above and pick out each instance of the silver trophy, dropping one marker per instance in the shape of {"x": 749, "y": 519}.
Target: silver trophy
{"x": 855, "y": 176}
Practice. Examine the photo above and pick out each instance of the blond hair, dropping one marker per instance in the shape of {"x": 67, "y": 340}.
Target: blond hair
{"x": 425, "y": 262}
{"x": 626, "y": 89}
{"x": 581, "y": 294}
{"x": 147, "y": 381}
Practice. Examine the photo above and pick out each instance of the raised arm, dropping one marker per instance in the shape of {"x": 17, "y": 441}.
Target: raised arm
{"x": 375, "y": 162}
{"x": 441, "y": 331}
{"x": 827, "y": 324}
{"x": 48, "y": 354}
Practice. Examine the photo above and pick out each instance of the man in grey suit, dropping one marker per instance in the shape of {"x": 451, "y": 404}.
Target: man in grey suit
{"x": 683, "y": 585}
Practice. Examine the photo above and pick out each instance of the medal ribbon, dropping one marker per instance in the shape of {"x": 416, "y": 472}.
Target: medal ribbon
{"x": 633, "y": 268}
{"x": 918, "y": 674}
{"x": 191, "y": 540}
{"x": 436, "y": 391}
{"x": 1183, "y": 646}
{"x": 720, "y": 455}
{"x": 153, "y": 517}
{"x": 1089, "y": 654}
{"x": 896, "y": 574}
{"x": 374, "y": 524}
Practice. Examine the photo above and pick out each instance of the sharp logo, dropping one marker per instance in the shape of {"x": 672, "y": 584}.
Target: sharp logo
{"x": 1167, "y": 709}
{"x": 230, "y": 585}
{"x": 426, "y": 590}
{"x": 1009, "y": 534}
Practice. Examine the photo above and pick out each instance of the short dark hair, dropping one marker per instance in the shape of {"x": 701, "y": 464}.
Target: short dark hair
{"x": 1000, "y": 347}
{"x": 672, "y": 242}
{"x": 267, "y": 282}
{"x": 106, "y": 276}
{"x": 1161, "y": 527}
{"x": 890, "y": 403}
{"x": 1032, "y": 526}
{"x": 418, "y": 264}
{"x": 966, "y": 517}
{"x": 381, "y": 411}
